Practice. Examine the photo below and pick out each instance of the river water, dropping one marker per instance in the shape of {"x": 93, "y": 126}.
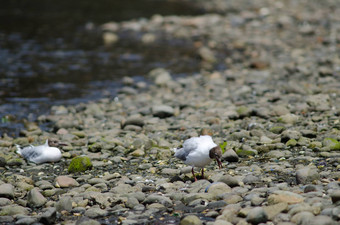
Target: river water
{"x": 50, "y": 53}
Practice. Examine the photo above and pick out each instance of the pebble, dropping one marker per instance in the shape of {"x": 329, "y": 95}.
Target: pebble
{"x": 7, "y": 190}
{"x": 191, "y": 220}
{"x": 277, "y": 110}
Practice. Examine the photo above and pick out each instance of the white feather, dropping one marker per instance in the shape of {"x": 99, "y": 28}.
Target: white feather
{"x": 40, "y": 154}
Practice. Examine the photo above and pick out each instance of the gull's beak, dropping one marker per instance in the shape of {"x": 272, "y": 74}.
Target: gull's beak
{"x": 62, "y": 144}
{"x": 219, "y": 163}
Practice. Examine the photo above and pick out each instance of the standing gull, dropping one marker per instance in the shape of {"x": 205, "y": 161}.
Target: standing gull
{"x": 47, "y": 152}
{"x": 199, "y": 151}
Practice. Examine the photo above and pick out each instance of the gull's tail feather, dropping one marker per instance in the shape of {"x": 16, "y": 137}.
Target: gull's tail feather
{"x": 18, "y": 149}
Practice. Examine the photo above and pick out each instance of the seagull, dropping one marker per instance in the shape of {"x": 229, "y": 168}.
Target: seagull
{"x": 42, "y": 153}
{"x": 199, "y": 151}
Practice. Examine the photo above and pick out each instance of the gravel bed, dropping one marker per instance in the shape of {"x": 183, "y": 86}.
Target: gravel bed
{"x": 276, "y": 103}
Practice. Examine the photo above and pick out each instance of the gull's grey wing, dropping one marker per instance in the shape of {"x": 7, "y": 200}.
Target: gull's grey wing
{"x": 31, "y": 152}
{"x": 188, "y": 146}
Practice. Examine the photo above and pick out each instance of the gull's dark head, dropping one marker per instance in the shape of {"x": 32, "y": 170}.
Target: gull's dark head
{"x": 55, "y": 143}
{"x": 216, "y": 153}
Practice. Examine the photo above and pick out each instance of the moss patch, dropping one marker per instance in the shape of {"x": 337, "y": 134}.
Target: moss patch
{"x": 331, "y": 144}
{"x": 80, "y": 164}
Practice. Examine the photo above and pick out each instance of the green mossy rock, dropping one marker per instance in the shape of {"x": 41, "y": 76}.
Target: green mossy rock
{"x": 291, "y": 143}
{"x": 244, "y": 153}
{"x": 331, "y": 144}
{"x": 80, "y": 164}
{"x": 277, "y": 129}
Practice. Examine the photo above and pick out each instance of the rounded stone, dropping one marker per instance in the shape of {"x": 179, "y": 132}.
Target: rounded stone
{"x": 191, "y": 220}
{"x": 257, "y": 215}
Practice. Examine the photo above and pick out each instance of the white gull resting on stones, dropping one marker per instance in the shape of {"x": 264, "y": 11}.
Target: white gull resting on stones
{"x": 42, "y": 153}
{"x": 198, "y": 152}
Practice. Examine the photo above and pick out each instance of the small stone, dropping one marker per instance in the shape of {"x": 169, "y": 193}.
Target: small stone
{"x": 229, "y": 180}
{"x": 162, "y": 111}
{"x": 291, "y": 143}
{"x": 26, "y": 220}
{"x": 7, "y": 190}
{"x": 330, "y": 144}
{"x": 64, "y": 182}
{"x": 133, "y": 120}
{"x": 257, "y": 215}
{"x": 87, "y": 221}
{"x": 290, "y": 134}
{"x": 160, "y": 76}
{"x": 307, "y": 175}
{"x": 64, "y": 204}
{"x": 273, "y": 210}
{"x": 285, "y": 197}
{"x": 303, "y": 218}
{"x": 335, "y": 196}
{"x": 35, "y": 198}
{"x": 288, "y": 118}
{"x": 95, "y": 212}
{"x": 49, "y": 216}
{"x": 11, "y": 210}
{"x": 80, "y": 164}
{"x": 138, "y": 153}
{"x": 131, "y": 202}
{"x": 155, "y": 198}
{"x": 230, "y": 156}
{"x": 218, "y": 188}
{"x": 191, "y": 220}
{"x": 323, "y": 220}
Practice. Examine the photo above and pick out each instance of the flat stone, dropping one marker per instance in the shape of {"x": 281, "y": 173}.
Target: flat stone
{"x": 218, "y": 188}
{"x": 65, "y": 181}
{"x": 307, "y": 175}
{"x": 284, "y": 197}
{"x": 229, "y": 180}
{"x": 230, "y": 156}
{"x": 35, "y": 198}
{"x": 257, "y": 215}
{"x": 7, "y": 191}
{"x": 49, "y": 216}
{"x": 335, "y": 196}
{"x": 95, "y": 212}
{"x": 273, "y": 210}
{"x": 11, "y": 210}
{"x": 162, "y": 111}
{"x": 191, "y": 220}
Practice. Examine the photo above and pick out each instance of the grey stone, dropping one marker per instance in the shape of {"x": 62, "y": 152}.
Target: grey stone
{"x": 35, "y": 198}
{"x": 303, "y": 218}
{"x": 87, "y": 221}
{"x": 230, "y": 156}
{"x": 251, "y": 179}
{"x": 290, "y": 134}
{"x": 26, "y": 220}
{"x": 10, "y": 210}
{"x": 229, "y": 180}
{"x": 323, "y": 220}
{"x": 64, "y": 203}
{"x": 49, "y": 216}
{"x": 307, "y": 174}
{"x": 155, "y": 198}
{"x": 4, "y": 201}
{"x": 7, "y": 190}
{"x": 95, "y": 212}
{"x": 162, "y": 111}
{"x": 191, "y": 220}
{"x": 131, "y": 202}
{"x": 257, "y": 215}
{"x": 335, "y": 196}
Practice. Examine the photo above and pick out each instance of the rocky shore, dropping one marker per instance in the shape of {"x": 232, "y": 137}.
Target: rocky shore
{"x": 276, "y": 103}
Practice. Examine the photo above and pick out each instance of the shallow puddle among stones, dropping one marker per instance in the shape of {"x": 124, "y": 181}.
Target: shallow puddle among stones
{"x": 54, "y": 54}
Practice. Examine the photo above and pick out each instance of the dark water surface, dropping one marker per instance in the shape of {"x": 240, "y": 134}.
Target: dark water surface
{"x": 51, "y": 53}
